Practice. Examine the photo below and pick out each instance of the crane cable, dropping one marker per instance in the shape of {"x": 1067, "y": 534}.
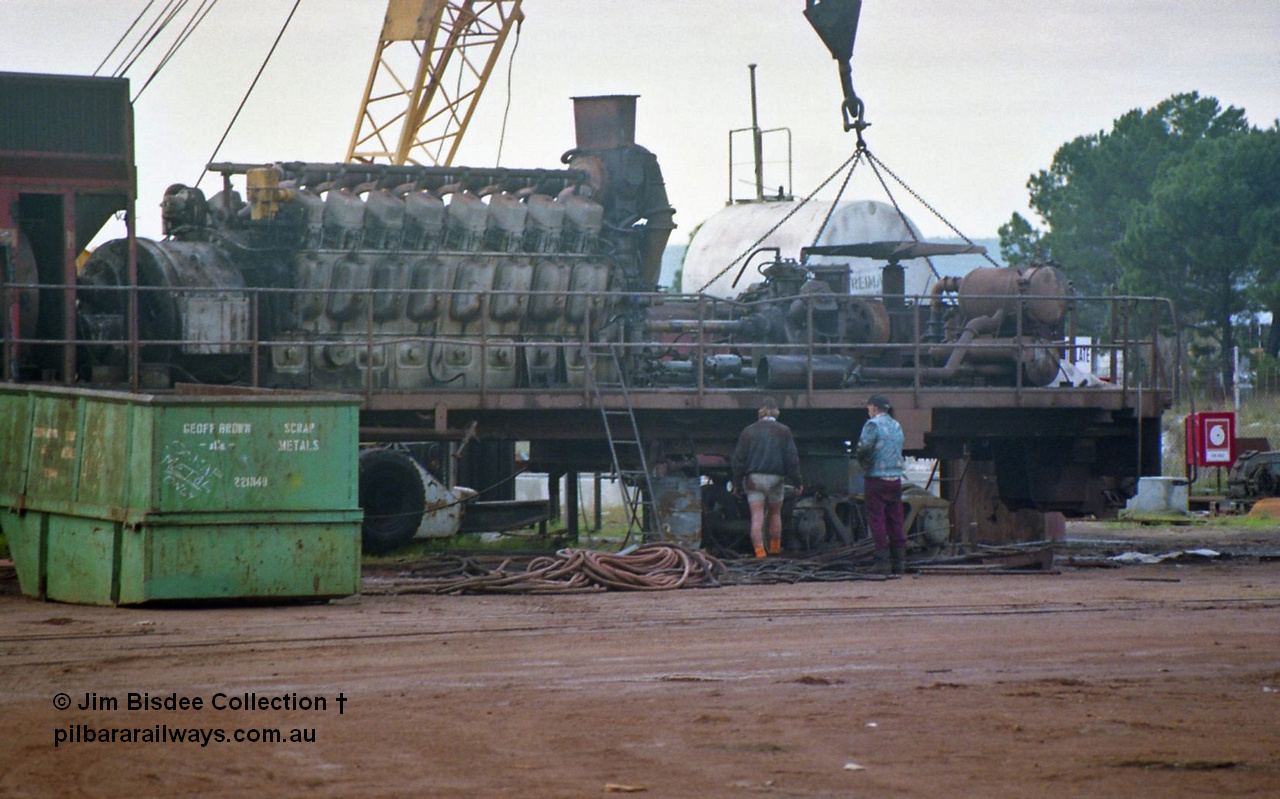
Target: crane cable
{"x": 144, "y": 40}
{"x": 853, "y": 159}
{"x": 877, "y": 165}
{"x": 248, "y": 92}
{"x": 201, "y": 12}
{"x": 862, "y": 150}
{"x": 158, "y": 24}
{"x": 511, "y": 60}
{"x": 151, "y": 33}
{"x": 148, "y": 37}
{"x": 123, "y": 36}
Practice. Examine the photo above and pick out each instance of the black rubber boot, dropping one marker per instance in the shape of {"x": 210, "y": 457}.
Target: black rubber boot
{"x": 882, "y": 562}
{"x": 898, "y": 560}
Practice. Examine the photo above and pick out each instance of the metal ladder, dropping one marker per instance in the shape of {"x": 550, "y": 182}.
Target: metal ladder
{"x": 623, "y": 435}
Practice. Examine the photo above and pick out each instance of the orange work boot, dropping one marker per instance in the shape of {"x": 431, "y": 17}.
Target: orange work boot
{"x": 775, "y": 547}
{"x": 759, "y": 552}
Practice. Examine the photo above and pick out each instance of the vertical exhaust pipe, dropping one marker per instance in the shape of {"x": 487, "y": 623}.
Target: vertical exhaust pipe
{"x": 605, "y": 122}
{"x": 757, "y": 139}
{"x": 605, "y": 129}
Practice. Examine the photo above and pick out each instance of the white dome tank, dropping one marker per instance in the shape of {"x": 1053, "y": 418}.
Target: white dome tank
{"x": 728, "y": 233}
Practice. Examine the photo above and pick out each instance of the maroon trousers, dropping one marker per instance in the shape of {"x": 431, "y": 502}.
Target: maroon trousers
{"x": 884, "y": 512}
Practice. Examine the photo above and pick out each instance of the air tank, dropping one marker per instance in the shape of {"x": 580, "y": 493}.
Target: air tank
{"x": 1043, "y": 290}
{"x": 734, "y": 230}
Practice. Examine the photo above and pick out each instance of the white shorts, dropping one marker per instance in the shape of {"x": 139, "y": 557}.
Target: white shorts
{"x": 764, "y": 488}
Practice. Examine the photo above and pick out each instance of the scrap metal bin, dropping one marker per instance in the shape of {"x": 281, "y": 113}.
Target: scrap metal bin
{"x": 119, "y": 498}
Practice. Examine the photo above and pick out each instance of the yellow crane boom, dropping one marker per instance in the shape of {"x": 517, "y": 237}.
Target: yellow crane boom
{"x": 431, "y": 65}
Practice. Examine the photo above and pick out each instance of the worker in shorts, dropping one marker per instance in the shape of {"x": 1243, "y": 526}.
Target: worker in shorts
{"x": 879, "y": 452}
{"x": 764, "y": 457}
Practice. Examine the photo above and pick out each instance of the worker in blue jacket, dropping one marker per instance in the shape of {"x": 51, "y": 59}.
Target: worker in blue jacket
{"x": 879, "y": 452}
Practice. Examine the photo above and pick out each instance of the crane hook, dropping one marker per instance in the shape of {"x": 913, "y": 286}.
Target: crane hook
{"x": 836, "y": 22}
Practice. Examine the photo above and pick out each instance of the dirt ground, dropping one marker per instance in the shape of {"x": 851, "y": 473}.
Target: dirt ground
{"x": 1156, "y": 680}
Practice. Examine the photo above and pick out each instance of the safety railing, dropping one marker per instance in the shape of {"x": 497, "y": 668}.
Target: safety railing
{"x": 684, "y": 343}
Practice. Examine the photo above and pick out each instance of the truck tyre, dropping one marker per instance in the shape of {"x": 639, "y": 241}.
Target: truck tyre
{"x": 393, "y": 497}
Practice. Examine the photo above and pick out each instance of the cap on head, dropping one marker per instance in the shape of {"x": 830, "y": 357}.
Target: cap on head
{"x": 880, "y": 402}
{"x": 768, "y": 408}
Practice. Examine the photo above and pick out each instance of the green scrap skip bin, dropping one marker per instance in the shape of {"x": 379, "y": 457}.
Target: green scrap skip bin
{"x": 115, "y": 498}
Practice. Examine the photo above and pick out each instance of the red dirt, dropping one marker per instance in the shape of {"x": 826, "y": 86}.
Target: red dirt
{"x": 1139, "y": 681}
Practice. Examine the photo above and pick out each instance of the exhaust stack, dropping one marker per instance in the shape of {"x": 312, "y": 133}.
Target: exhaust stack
{"x": 605, "y": 122}
{"x": 625, "y": 177}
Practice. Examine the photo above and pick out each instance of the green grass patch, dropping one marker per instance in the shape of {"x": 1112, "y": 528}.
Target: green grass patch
{"x": 1240, "y": 522}
{"x": 1244, "y": 522}
{"x": 608, "y": 539}
{"x": 1164, "y": 519}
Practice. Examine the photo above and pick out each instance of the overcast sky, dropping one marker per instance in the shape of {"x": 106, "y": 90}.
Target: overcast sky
{"x": 966, "y": 99}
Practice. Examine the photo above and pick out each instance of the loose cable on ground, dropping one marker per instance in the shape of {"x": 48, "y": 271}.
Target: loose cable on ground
{"x": 664, "y": 567}
{"x": 651, "y": 567}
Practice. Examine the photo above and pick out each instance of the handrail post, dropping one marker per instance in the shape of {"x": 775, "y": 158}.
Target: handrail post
{"x": 134, "y": 301}
{"x": 809, "y": 338}
{"x": 588, "y": 367}
{"x": 702, "y": 340}
{"x": 915, "y": 356}
{"x": 1018, "y": 353}
{"x": 1111, "y": 345}
{"x": 1154, "y": 378}
{"x": 10, "y": 347}
{"x": 254, "y": 330}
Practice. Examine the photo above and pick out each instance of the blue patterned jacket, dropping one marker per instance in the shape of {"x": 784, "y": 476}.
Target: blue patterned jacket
{"x": 880, "y": 448}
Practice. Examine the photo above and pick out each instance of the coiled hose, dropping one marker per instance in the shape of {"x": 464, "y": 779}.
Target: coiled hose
{"x": 651, "y": 567}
